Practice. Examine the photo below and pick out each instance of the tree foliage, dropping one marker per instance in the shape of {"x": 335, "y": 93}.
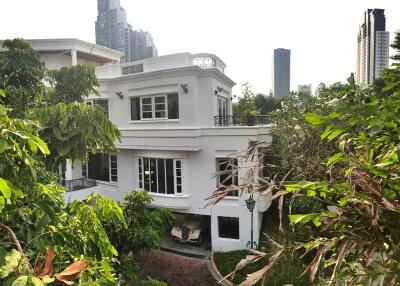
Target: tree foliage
{"x": 356, "y": 239}
{"x": 42, "y": 240}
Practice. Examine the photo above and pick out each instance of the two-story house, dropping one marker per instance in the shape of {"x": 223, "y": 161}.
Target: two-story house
{"x": 175, "y": 115}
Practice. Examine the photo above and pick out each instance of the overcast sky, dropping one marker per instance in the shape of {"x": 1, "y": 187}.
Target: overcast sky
{"x": 321, "y": 34}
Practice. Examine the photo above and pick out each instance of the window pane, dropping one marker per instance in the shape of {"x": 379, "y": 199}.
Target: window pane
{"x": 170, "y": 176}
{"x": 102, "y": 104}
{"x": 146, "y": 107}
{"x": 161, "y": 175}
{"x": 173, "y": 106}
{"x": 146, "y": 174}
{"x": 135, "y": 108}
{"x": 147, "y": 115}
{"x": 98, "y": 167}
{"x": 146, "y": 100}
{"x": 160, "y": 114}
{"x": 114, "y": 168}
{"x": 228, "y": 178}
{"x": 159, "y": 99}
{"x": 153, "y": 175}
{"x": 228, "y": 227}
{"x": 140, "y": 173}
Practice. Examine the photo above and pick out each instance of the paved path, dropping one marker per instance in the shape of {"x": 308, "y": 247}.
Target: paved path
{"x": 176, "y": 270}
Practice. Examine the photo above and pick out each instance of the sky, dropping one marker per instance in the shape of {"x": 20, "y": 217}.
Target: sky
{"x": 321, "y": 34}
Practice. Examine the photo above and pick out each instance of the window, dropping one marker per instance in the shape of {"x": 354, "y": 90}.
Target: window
{"x": 230, "y": 176}
{"x": 155, "y": 107}
{"x": 132, "y": 69}
{"x": 102, "y": 103}
{"x": 159, "y": 175}
{"x": 228, "y": 227}
{"x": 101, "y": 167}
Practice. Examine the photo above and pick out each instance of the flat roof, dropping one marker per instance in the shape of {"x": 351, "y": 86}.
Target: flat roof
{"x": 84, "y": 49}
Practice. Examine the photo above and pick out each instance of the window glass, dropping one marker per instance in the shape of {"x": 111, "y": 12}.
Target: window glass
{"x": 158, "y": 175}
{"x": 102, "y": 104}
{"x": 173, "y": 106}
{"x": 113, "y": 168}
{"x": 170, "y": 175}
{"x": 135, "y": 108}
{"x": 228, "y": 227}
{"x": 98, "y": 167}
{"x": 228, "y": 178}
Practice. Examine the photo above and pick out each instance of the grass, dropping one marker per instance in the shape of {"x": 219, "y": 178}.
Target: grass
{"x": 286, "y": 271}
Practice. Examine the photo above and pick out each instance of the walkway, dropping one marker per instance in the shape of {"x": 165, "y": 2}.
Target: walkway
{"x": 175, "y": 270}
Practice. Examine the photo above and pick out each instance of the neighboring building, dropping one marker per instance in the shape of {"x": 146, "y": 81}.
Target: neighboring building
{"x": 58, "y": 53}
{"x": 305, "y": 88}
{"x": 281, "y": 73}
{"x": 174, "y": 113}
{"x": 372, "y": 47}
{"x": 113, "y": 31}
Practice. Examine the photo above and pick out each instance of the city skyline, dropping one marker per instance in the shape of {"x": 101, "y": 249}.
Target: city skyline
{"x": 315, "y": 39}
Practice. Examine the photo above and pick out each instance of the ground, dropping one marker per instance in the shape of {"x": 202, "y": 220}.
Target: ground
{"x": 175, "y": 270}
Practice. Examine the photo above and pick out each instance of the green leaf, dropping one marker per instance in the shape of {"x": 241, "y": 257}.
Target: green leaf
{"x": 21, "y": 281}
{"x": 334, "y": 159}
{"x": 296, "y": 218}
{"x": 42, "y": 145}
{"x": 2, "y": 109}
{"x": 2, "y": 203}
{"x": 379, "y": 172}
{"x": 334, "y": 134}
{"x": 326, "y": 132}
{"x": 11, "y": 261}
{"x": 47, "y": 280}
{"x": 35, "y": 281}
{"x": 389, "y": 194}
{"x": 32, "y": 145}
{"x": 348, "y": 171}
{"x": 5, "y": 188}
{"x": 2, "y": 93}
{"x": 314, "y": 119}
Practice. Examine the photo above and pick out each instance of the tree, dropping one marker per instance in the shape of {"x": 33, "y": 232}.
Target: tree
{"x": 145, "y": 229}
{"x": 43, "y": 240}
{"x": 356, "y": 241}
{"x": 21, "y": 75}
{"x": 72, "y": 84}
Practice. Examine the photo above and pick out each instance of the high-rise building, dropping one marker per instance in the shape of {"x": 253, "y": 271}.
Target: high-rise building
{"x": 372, "y": 47}
{"x": 281, "y": 73}
{"x": 113, "y": 31}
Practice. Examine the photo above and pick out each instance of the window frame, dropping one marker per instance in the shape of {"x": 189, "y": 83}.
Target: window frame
{"x": 153, "y": 105}
{"x": 234, "y": 178}
{"x": 85, "y": 168}
{"x": 230, "y": 227}
{"x": 141, "y": 175}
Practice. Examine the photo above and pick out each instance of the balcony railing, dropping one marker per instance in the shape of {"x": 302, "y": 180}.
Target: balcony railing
{"x": 78, "y": 184}
{"x": 247, "y": 120}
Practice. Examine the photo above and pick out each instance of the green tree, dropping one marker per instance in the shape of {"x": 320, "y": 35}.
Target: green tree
{"x": 145, "y": 229}
{"x": 72, "y": 84}
{"x": 245, "y": 105}
{"x": 21, "y": 75}
{"x": 357, "y": 240}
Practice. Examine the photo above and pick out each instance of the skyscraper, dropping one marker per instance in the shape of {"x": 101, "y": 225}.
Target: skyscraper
{"x": 372, "y": 47}
{"x": 113, "y": 31}
{"x": 281, "y": 73}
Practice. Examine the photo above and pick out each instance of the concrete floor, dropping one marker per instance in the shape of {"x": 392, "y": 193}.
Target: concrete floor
{"x": 199, "y": 251}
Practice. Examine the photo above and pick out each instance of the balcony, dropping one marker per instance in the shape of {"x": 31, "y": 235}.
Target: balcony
{"x": 246, "y": 120}
{"x": 177, "y": 202}
{"x": 78, "y": 184}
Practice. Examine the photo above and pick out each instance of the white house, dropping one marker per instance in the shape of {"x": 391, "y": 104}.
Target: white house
{"x": 174, "y": 113}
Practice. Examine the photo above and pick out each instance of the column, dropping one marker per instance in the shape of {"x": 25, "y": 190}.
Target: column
{"x": 74, "y": 58}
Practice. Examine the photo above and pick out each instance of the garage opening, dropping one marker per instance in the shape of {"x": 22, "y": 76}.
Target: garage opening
{"x": 189, "y": 235}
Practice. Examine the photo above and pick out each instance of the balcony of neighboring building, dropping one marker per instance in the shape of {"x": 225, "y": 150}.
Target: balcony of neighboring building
{"x": 242, "y": 120}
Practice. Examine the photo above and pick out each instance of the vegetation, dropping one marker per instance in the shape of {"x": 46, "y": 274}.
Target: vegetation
{"x": 43, "y": 241}
{"x": 250, "y": 104}
{"x": 353, "y": 174}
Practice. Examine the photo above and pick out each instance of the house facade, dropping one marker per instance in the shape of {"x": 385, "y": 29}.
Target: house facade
{"x": 175, "y": 116}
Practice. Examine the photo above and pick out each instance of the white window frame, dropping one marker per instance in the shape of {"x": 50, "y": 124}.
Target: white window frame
{"x": 153, "y": 107}
{"x": 141, "y": 175}
{"x": 109, "y": 169}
